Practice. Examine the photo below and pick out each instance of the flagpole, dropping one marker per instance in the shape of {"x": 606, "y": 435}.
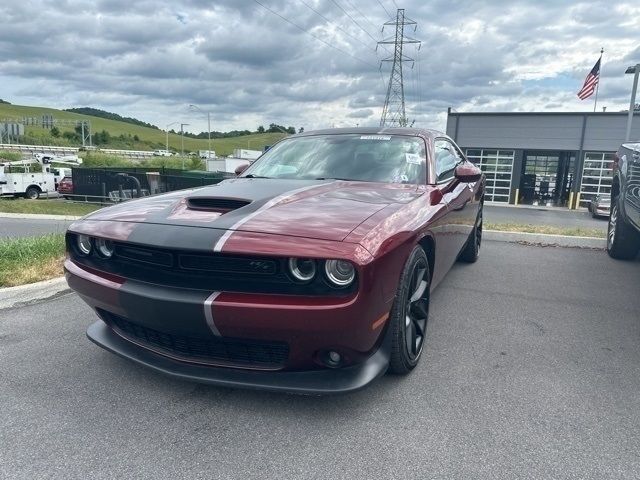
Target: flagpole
{"x": 595, "y": 102}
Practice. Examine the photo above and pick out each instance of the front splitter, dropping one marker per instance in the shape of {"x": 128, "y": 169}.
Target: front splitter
{"x": 312, "y": 382}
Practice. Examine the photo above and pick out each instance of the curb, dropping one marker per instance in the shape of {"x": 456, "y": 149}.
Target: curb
{"x": 39, "y": 216}
{"x": 32, "y": 292}
{"x": 544, "y": 239}
{"x": 542, "y": 208}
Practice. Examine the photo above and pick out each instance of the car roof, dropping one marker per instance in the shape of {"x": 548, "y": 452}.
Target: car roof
{"x": 417, "y": 132}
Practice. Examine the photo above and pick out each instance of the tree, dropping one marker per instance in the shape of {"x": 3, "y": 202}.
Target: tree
{"x": 291, "y": 130}
{"x": 301, "y": 130}
{"x": 55, "y": 132}
{"x": 260, "y": 129}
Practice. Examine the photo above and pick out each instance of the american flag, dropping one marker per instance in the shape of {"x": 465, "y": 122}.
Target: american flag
{"x": 590, "y": 82}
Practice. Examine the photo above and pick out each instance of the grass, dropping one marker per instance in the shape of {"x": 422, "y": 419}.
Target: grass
{"x": 6, "y": 156}
{"x": 47, "y": 207}
{"x": 30, "y": 259}
{"x": 150, "y": 138}
{"x": 546, "y": 229}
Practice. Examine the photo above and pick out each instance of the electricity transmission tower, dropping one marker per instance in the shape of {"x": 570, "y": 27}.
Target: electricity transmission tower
{"x": 393, "y": 113}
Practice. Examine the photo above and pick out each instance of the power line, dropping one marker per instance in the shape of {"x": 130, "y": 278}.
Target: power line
{"x": 335, "y": 25}
{"x": 361, "y": 14}
{"x": 353, "y": 20}
{"x": 314, "y": 36}
{"x": 385, "y": 10}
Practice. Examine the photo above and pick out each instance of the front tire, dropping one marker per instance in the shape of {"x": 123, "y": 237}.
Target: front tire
{"x": 32, "y": 193}
{"x": 623, "y": 242}
{"x": 410, "y": 313}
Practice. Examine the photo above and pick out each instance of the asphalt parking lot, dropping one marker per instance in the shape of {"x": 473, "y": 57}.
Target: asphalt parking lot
{"x": 530, "y": 370}
{"x": 27, "y": 227}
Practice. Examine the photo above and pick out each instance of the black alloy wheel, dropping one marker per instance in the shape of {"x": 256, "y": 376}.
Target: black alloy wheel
{"x": 471, "y": 250}
{"x": 410, "y": 313}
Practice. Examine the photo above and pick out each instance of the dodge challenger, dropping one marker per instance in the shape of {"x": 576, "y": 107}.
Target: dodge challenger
{"x": 310, "y": 272}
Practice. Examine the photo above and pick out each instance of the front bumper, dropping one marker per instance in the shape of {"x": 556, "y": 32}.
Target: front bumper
{"x": 161, "y": 316}
{"x": 313, "y": 382}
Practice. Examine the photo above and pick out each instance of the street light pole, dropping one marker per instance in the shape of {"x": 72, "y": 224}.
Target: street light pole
{"x": 182, "y": 125}
{"x": 167, "y": 132}
{"x": 195, "y": 107}
{"x": 209, "y": 133}
{"x": 635, "y": 70}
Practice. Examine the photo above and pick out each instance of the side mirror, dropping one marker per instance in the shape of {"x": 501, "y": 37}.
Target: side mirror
{"x": 467, "y": 172}
{"x": 241, "y": 168}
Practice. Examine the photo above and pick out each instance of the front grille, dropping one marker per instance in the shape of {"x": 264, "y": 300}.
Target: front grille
{"x": 211, "y": 271}
{"x": 227, "y": 264}
{"x": 145, "y": 255}
{"x": 210, "y": 351}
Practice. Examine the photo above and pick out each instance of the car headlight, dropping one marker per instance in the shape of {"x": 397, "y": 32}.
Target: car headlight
{"x": 104, "y": 247}
{"x": 84, "y": 244}
{"x": 340, "y": 272}
{"x": 302, "y": 269}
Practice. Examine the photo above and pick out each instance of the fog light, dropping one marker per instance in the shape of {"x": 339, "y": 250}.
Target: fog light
{"x": 105, "y": 247}
{"x": 332, "y": 359}
{"x": 84, "y": 244}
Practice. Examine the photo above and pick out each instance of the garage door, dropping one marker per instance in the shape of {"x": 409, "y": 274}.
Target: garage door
{"x": 497, "y": 165}
{"x": 596, "y": 176}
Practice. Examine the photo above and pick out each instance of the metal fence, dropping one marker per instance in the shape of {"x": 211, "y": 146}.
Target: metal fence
{"x": 116, "y": 184}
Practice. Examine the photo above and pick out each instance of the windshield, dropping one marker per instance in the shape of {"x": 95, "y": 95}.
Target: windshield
{"x": 368, "y": 158}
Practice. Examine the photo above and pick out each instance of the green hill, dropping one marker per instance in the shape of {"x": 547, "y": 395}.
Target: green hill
{"x": 123, "y": 134}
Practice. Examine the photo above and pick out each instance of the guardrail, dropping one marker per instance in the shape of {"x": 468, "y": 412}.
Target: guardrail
{"x": 38, "y": 148}
{"x": 73, "y": 150}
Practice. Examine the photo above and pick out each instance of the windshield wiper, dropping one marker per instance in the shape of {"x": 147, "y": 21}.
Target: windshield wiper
{"x": 251, "y": 175}
{"x": 334, "y": 178}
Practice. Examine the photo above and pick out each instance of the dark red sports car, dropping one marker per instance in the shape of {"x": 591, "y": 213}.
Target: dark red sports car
{"x": 310, "y": 272}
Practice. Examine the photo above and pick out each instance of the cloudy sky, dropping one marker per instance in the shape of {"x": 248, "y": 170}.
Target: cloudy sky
{"x": 248, "y": 66}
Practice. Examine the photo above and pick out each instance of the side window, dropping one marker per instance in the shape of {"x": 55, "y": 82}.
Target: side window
{"x": 446, "y": 159}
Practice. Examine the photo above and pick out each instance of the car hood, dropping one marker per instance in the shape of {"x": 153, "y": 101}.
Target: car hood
{"x": 322, "y": 209}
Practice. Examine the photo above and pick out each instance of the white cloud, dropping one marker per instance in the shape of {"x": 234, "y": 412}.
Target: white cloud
{"x": 248, "y": 67}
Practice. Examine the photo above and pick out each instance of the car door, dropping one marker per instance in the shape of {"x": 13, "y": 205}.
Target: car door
{"x": 632, "y": 192}
{"x": 458, "y": 197}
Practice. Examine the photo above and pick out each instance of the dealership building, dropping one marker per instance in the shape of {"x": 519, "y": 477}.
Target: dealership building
{"x": 554, "y": 159}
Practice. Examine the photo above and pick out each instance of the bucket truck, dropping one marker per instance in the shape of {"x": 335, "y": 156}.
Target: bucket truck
{"x": 17, "y": 179}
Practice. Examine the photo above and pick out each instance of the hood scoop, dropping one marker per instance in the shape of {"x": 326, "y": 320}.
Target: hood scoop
{"x": 214, "y": 204}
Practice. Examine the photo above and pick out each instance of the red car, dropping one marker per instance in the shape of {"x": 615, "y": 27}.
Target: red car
{"x": 65, "y": 187}
{"x": 310, "y": 272}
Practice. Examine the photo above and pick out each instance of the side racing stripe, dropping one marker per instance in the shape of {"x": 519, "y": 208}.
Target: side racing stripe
{"x": 208, "y": 313}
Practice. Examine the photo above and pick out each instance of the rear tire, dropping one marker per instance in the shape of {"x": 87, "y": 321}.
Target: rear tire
{"x": 410, "y": 313}
{"x": 471, "y": 250}
{"x": 623, "y": 241}
{"x": 32, "y": 193}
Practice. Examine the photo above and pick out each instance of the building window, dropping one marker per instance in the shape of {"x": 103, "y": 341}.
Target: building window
{"x": 596, "y": 176}
{"x": 497, "y": 166}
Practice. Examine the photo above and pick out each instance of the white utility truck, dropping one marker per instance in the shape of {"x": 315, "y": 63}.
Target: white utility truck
{"x": 17, "y": 179}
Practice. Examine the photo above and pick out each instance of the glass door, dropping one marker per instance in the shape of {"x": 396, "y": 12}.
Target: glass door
{"x": 547, "y": 178}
